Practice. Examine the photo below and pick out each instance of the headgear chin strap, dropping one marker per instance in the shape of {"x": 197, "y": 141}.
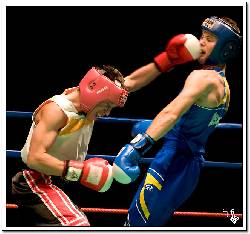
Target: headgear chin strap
{"x": 228, "y": 43}
{"x": 96, "y": 88}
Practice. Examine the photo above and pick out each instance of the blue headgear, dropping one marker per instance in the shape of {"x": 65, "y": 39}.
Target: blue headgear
{"x": 228, "y": 43}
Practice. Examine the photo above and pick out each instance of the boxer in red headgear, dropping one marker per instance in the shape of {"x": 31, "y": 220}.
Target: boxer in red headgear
{"x": 96, "y": 88}
{"x": 57, "y": 145}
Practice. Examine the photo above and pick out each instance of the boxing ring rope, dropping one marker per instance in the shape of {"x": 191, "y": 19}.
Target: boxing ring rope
{"x": 125, "y": 211}
{"x": 110, "y": 158}
{"x": 19, "y": 114}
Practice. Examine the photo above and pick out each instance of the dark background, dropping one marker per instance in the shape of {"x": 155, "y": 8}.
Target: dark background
{"x": 51, "y": 48}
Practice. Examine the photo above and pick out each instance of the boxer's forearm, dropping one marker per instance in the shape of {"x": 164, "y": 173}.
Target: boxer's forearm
{"x": 141, "y": 77}
{"x": 46, "y": 164}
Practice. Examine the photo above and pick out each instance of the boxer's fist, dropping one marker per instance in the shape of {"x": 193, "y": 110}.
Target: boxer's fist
{"x": 94, "y": 173}
{"x": 180, "y": 49}
{"x": 125, "y": 166}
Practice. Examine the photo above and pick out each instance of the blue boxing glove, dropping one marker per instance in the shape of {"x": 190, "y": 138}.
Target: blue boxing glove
{"x": 125, "y": 166}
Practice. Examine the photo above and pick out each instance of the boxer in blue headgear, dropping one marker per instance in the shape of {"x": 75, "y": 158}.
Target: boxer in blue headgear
{"x": 228, "y": 40}
{"x": 184, "y": 126}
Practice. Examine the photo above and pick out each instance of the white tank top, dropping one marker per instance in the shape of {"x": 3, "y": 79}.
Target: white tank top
{"x": 72, "y": 140}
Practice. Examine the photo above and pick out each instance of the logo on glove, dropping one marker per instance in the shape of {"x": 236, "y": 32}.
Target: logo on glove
{"x": 73, "y": 174}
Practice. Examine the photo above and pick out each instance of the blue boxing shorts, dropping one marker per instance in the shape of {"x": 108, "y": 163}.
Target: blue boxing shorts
{"x": 169, "y": 181}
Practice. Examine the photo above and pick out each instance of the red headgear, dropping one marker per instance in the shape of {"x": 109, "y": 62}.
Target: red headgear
{"x": 96, "y": 88}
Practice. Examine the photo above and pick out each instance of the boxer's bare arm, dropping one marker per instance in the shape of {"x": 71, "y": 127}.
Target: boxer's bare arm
{"x": 177, "y": 51}
{"x": 51, "y": 119}
{"x": 141, "y": 77}
{"x": 197, "y": 84}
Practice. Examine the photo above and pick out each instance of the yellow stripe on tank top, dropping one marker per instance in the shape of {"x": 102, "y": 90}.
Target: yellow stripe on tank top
{"x": 74, "y": 125}
{"x": 149, "y": 180}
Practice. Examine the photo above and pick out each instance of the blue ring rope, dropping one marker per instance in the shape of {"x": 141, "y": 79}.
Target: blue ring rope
{"x": 110, "y": 158}
{"x": 19, "y": 114}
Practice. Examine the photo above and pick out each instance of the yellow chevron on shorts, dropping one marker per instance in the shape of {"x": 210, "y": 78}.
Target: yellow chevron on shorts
{"x": 149, "y": 180}
{"x": 74, "y": 125}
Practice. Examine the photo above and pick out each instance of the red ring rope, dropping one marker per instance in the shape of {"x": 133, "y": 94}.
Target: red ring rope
{"x": 125, "y": 211}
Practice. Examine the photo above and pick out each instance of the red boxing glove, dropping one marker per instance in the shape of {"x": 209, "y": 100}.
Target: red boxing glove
{"x": 94, "y": 173}
{"x": 180, "y": 49}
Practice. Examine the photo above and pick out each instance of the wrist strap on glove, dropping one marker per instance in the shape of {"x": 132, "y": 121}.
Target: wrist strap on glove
{"x": 142, "y": 143}
{"x": 72, "y": 170}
